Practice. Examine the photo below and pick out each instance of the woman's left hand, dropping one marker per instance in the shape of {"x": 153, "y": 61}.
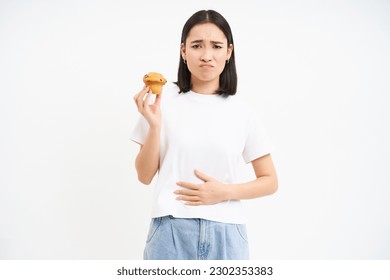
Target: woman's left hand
{"x": 209, "y": 192}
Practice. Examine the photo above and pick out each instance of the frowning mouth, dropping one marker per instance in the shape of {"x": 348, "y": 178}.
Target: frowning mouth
{"x": 206, "y": 65}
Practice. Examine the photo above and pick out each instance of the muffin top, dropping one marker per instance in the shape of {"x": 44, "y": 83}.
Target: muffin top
{"x": 154, "y": 77}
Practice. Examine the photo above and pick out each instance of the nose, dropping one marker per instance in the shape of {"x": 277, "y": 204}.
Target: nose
{"x": 206, "y": 55}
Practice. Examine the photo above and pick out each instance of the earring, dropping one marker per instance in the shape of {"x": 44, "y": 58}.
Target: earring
{"x": 185, "y": 61}
{"x": 227, "y": 61}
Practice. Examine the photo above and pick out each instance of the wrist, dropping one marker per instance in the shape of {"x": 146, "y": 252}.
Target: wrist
{"x": 156, "y": 128}
{"x": 154, "y": 133}
{"x": 229, "y": 191}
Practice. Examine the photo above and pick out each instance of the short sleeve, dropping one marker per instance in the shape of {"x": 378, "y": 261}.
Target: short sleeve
{"x": 257, "y": 142}
{"x": 140, "y": 131}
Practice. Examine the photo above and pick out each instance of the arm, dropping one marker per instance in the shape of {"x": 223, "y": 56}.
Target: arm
{"x": 266, "y": 182}
{"x": 213, "y": 191}
{"x": 147, "y": 160}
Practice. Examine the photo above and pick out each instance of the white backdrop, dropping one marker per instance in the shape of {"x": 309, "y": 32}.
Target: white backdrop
{"x": 317, "y": 70}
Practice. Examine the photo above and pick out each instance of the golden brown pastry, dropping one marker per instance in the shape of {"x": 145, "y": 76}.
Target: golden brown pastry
{"x": 155, "y": 81}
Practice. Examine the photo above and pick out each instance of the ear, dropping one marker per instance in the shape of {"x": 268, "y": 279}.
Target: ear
{"x": 183, "y": 51}
{"x": 229, "y": 51}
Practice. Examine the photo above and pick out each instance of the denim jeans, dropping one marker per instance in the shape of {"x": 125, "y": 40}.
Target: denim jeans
{"x": 172, "y": 238}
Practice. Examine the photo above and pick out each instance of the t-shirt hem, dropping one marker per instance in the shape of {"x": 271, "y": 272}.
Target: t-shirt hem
{"x": 139, "y": 142}
{"x": 214, "y": 219}
{"x": 254, "y": 157}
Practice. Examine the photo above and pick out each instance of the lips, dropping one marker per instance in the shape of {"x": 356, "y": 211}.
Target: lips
{"x": 206, "y": 65}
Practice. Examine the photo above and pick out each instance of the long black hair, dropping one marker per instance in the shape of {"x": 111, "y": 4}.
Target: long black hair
{"x": 228, "y": 77}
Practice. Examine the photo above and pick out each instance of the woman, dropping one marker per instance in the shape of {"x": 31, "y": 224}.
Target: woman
{"x": 195, "y": 134}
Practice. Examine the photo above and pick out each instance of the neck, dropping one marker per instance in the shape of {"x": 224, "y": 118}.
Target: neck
{"x": 205, "y": 87}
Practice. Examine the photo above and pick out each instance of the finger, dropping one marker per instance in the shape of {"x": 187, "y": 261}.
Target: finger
{"x": 140, "y": 99}
{"x": 187, "y": 192}
{"x": 195, "y": 203}
{"x": 158, "y": 99}
{"x": 203, "y": 176}
{"x": 188, "y": 198}
{"x": 136, "y": 96}
{"x": 188, "y": 185}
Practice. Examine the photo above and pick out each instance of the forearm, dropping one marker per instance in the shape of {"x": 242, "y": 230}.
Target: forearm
{"x": 148, "y": 159}
{"x": 262, "y": 186}
{"x": 214, "y": 191}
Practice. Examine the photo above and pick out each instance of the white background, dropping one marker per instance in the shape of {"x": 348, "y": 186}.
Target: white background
{"x": 318, "y": 71}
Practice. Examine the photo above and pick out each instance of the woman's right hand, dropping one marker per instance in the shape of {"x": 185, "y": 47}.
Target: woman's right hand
{"x": 151, "y": 112}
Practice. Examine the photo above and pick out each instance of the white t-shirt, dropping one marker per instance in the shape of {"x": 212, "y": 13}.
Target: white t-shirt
{"x": 210, "y": 133}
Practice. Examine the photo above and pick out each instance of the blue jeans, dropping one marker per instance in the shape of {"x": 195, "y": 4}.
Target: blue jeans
{"x": 172, "y": 238}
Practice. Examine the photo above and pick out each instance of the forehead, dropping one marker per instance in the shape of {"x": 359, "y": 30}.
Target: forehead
{"x": 206, "y": 32}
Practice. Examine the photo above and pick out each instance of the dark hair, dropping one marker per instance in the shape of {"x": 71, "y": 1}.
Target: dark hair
{"x": 228, "y": 77}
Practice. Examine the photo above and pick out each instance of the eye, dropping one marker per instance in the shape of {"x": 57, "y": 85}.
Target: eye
{"x": 217, "y": 47}
{"x": 197, "y": 46}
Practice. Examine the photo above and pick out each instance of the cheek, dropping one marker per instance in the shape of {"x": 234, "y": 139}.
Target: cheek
{"x": 222, "y": 56}
{"x": 192, "y": 60}
{"x": 190, "y": 53}
{"x": 221, "y": 61}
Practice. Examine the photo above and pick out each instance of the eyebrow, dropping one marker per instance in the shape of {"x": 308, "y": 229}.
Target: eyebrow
{"x": 200, "y": 41}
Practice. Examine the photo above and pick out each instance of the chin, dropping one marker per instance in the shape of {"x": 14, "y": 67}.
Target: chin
{"x": 206, "y": 77}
